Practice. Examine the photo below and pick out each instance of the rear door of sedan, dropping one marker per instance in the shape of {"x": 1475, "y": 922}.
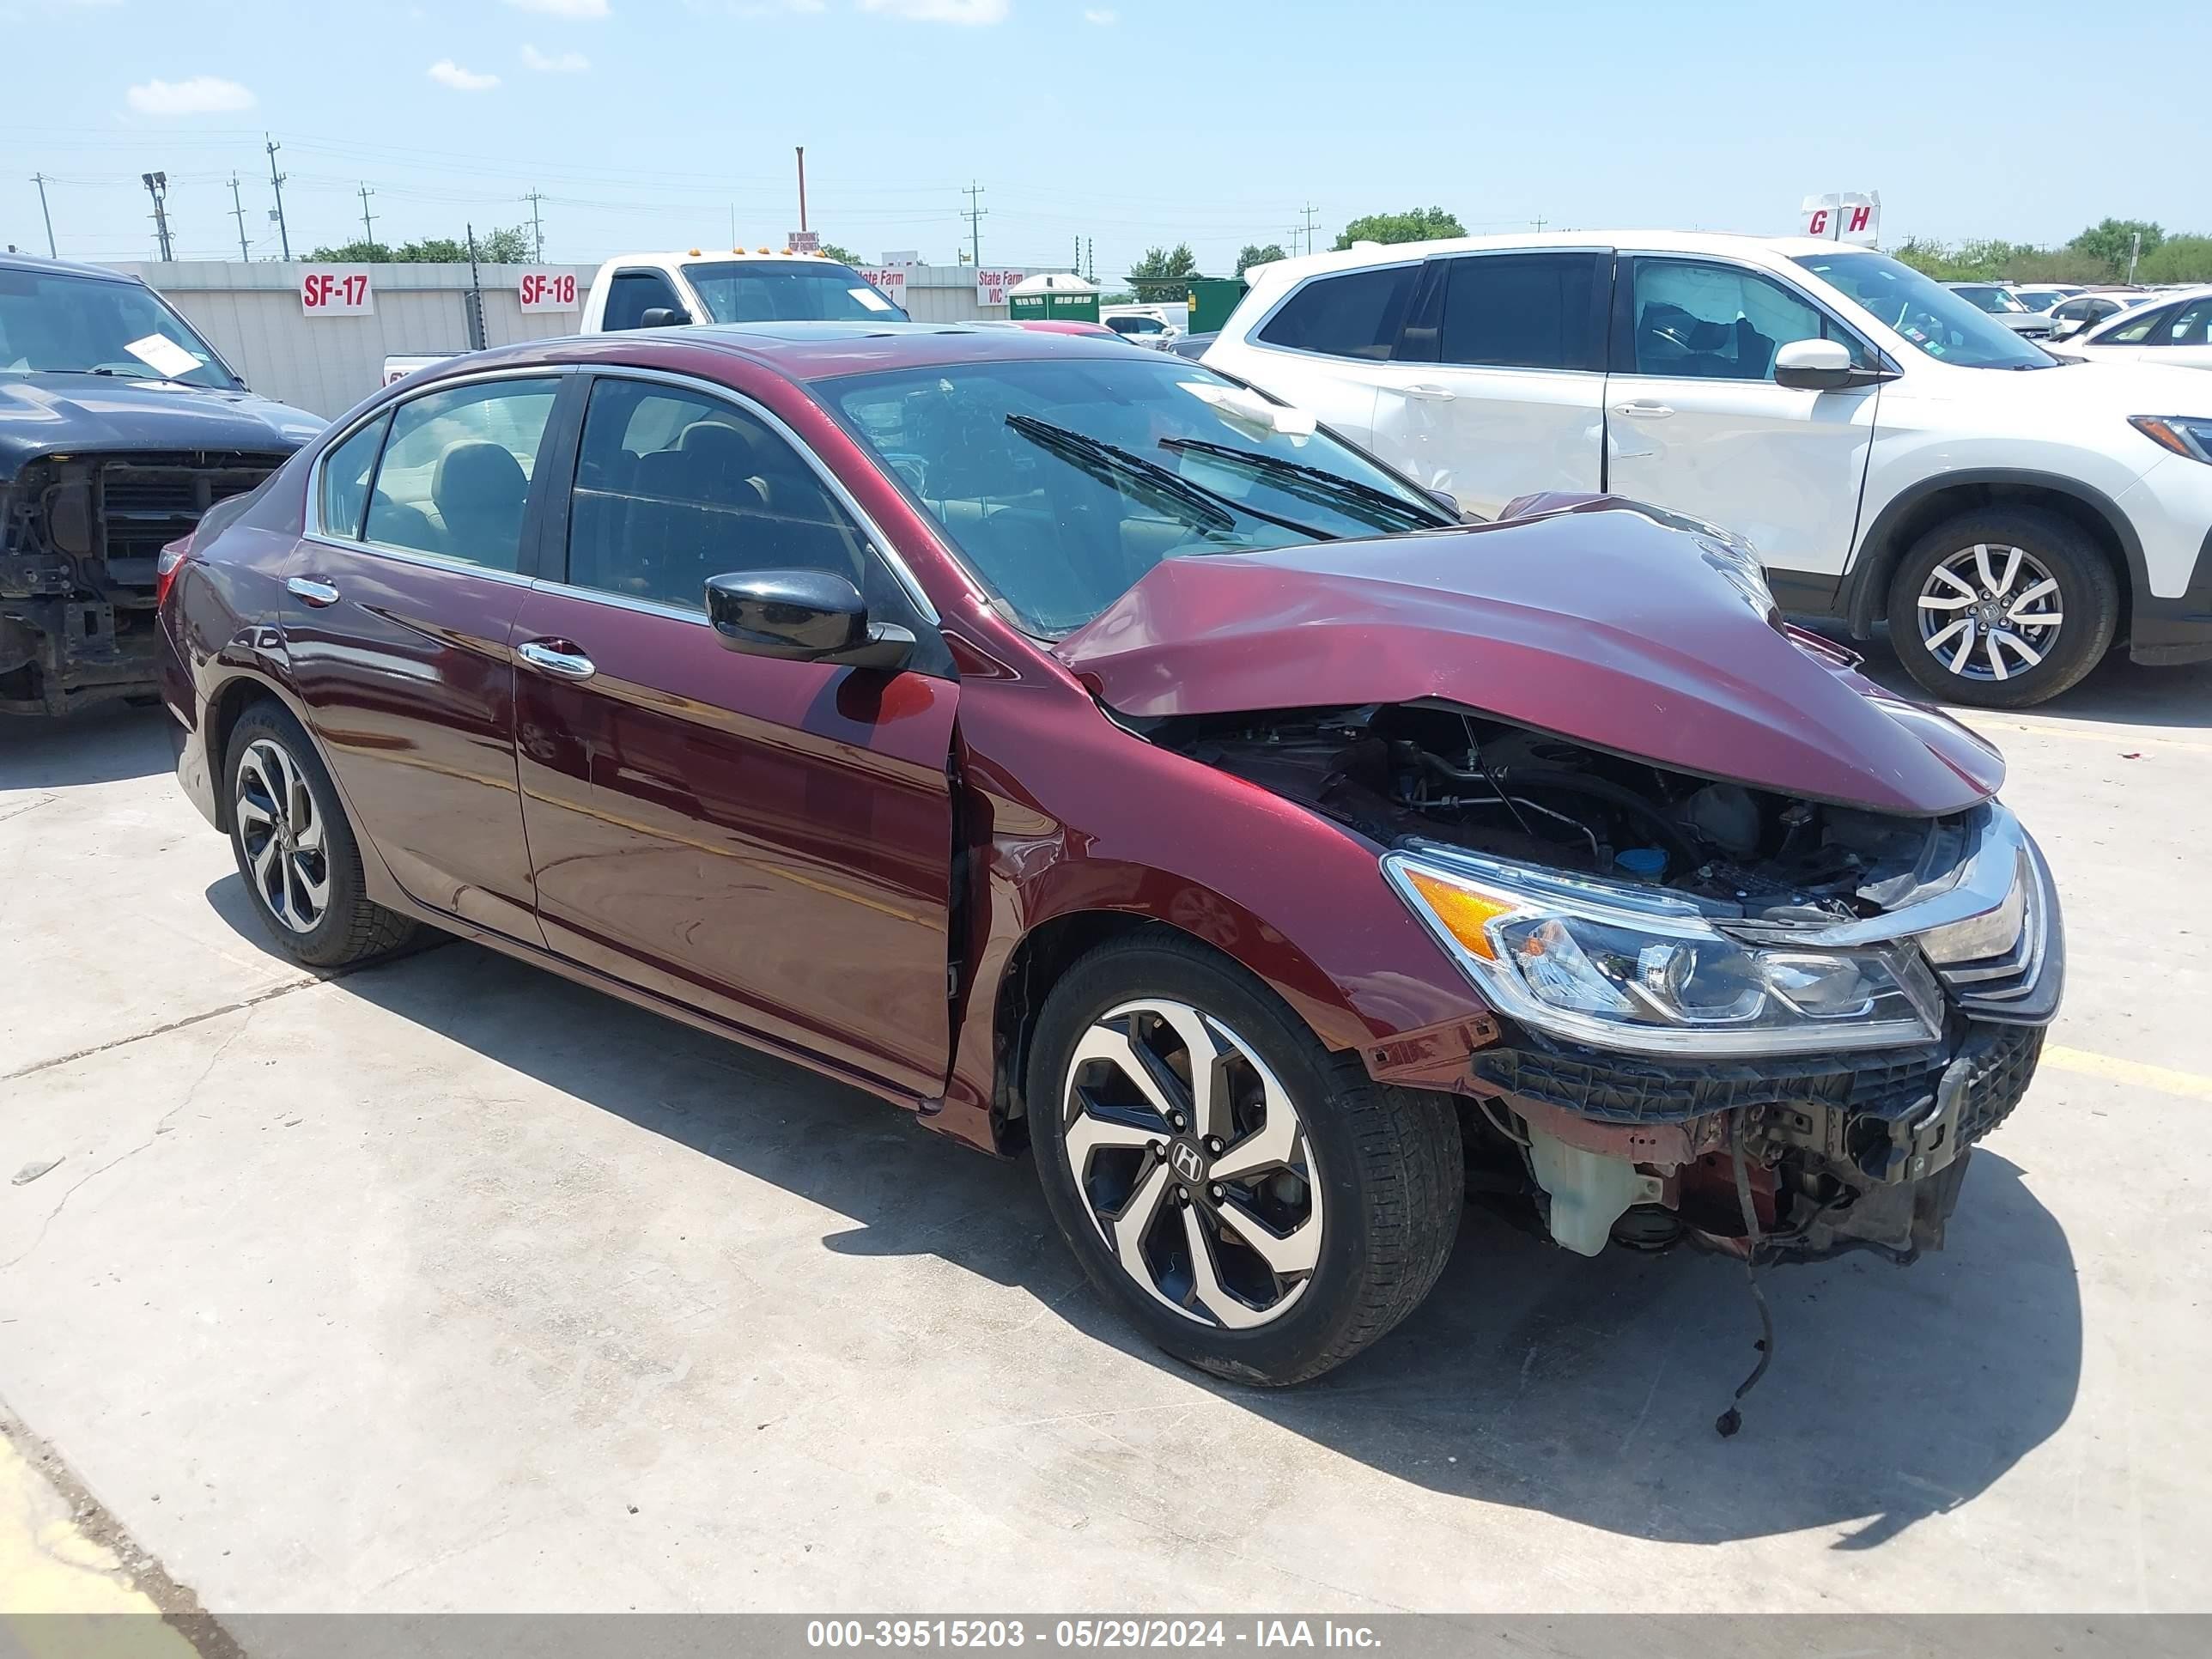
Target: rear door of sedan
{"x": 768, "y": 842}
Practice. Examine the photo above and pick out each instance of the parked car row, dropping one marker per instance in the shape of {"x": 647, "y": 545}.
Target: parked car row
{"x": 851, "y": 689}
{"x": 1892, "y": 449}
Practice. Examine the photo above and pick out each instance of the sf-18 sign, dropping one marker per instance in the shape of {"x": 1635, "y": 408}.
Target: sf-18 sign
{"x": 337, "y": 291}
{"x": 549, "y": 290}
{"x": 1844, "y": 216}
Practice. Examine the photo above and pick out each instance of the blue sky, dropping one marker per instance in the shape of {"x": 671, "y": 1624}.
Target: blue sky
{"x": 646, "y": 122}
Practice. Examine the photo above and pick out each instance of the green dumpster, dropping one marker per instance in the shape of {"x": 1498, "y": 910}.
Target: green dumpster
{"x": 1212, "y": 299}
{"x": 1053, "y": 295}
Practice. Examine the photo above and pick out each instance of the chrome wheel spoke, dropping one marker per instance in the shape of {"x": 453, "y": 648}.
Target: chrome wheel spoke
{"x": 1209, "y": 1099}
{"x": 310, "y": 891}
{"x": 2048, "y": 585}
{"x": 1964, "y": 588}
{"x": 1966, "y": 649}
{"x": 2040, "y": 619}
{"x": 262, "y": 862}
{"x": 252, "y": 815}
{"x": 1274, "y": 1142}
{"x": 1111, "y": 1044}
{"x": 1129, "y": 1223}
{"x": 1982, "y": 568}
{"x": 2028, "y": 654}
{"x": 1946, "y": 601}
{"x": 1088, "y": 1132}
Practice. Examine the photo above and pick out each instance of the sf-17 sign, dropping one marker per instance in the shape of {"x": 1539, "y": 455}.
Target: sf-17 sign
{"x": 337, "y": 291}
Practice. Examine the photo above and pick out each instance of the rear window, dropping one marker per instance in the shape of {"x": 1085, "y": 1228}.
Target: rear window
{"x": 1354, "y": 315}
{"x": 1521, "y": 311}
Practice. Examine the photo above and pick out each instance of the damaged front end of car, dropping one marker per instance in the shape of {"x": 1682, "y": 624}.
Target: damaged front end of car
{"x": 1723, "y": 1011}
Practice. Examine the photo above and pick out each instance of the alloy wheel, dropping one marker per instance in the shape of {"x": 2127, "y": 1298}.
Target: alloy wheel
{"x": 1192, "y": 1163}
{"x": 280, "y": 824}
{"x": 1989, "y": 611}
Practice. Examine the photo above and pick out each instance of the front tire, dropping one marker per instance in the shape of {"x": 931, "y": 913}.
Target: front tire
{"x": 1254, "y": 1204}
{"x": 295, "y": 851}
{"x": 2002, "y": 608}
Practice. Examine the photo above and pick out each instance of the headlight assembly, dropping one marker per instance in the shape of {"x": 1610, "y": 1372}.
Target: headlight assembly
{"x": 2185, "y": 435}
{"x": 1626, "y": 967}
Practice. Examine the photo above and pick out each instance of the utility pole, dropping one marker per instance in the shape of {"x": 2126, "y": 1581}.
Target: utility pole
{"x": 2135, "y": 253}
{"x": 1309, "y": 209}
{"x": 476, "y": 311}
{"x": 1539, "y": 224}
{"x": 1090, "y": 259}
{"x": 801, "y": 148}
{"x": 538, "y": 227}
{"x": 238, "y": 212}
{"x": 157, "y": 186}
{"x": 46, "y": 213}
{"x": 277, "y": 184}
{"x": 975, "y": 212}
{"x": 367, "y": 227}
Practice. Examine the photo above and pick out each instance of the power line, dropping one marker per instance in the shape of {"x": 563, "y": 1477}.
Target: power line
{"x": 537, "y": 228}
{"x": 1309, "y": 209}
{"x": 157, "y": 186}
{"x": 367, "y": 227}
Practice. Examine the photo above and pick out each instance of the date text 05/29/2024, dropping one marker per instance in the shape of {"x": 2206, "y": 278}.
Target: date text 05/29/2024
{"x": 1125, "y": 1633}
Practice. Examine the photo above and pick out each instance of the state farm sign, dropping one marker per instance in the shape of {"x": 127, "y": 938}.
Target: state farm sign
{"x": 337, "y": 291}
{"x": 890, "y": 278}
{"x": 991, "y": 286}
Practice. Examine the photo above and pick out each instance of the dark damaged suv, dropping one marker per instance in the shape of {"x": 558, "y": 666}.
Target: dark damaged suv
{"x": 118, "y": 427}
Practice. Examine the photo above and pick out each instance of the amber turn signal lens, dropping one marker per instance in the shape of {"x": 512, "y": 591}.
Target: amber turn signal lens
{"x": 1464, "y": 913}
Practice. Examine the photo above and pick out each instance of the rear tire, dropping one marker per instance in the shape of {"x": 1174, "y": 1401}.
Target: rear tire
{"x": 295, "y": 851}
{"x": 1966, "y": 602}
{"x": 1324, "y": 1204}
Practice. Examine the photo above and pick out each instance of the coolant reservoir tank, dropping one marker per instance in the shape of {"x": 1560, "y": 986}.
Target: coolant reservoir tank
{"x": 1589, "y": 1191}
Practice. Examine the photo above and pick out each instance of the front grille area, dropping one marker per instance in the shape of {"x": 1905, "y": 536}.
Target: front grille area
{"x": 145, "y": 505}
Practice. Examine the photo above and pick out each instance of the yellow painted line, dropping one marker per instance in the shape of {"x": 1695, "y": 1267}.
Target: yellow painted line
{"x": 48, "y": 1566}
{"x": 2164, "y": 1078}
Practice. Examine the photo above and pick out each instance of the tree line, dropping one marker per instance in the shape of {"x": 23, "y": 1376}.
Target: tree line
{"x": 2099, "y": 254}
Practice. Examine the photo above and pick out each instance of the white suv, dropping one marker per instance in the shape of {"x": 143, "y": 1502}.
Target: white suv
{"x": 1890, "y": 449}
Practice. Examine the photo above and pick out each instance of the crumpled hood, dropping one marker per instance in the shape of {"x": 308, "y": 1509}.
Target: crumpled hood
{"x": 1604, "y": 626}
{"x": 78, "y": 414}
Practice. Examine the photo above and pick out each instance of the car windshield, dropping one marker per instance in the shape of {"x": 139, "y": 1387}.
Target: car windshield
{"x": 1995, "y": 300}
{"x": 1062, "y": 481}
{"x": 53, "y": 323}
{"x": 1927, "y": 314}
{"x": 788, "y": 290}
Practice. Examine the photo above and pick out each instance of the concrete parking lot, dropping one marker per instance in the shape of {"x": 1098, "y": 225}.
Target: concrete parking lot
{"x": 446, "y": 1284}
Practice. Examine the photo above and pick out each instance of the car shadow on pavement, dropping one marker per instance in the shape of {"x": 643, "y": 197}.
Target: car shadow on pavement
{"x": 1586, "y": 1389}
{"x": 104, "y": 744}
{"x": 2115, "y": 690}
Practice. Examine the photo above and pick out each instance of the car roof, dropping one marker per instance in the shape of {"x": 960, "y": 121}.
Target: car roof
{"x": 32, "y": 262}
{"x": 1720, "y": 242}
{"x": 818, "y": 350}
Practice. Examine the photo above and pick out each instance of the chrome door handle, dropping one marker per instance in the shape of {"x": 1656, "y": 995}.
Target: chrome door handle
{"x": 1650, "y": 411}
{"x": 566, "y": 664}
{"x": 1435, "y": 394}
{"x": 310, "y": 590}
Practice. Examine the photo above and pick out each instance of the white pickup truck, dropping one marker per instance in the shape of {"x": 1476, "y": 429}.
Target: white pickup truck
{"x": 667, "y": 291}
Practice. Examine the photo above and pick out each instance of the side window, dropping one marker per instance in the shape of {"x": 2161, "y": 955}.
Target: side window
{"x": 2183, "y": 325}
{"x": 345, "y": 479}
{"x": 2073, "y": 311}
{"x": 1694, "y": 321}
{"x": 673, "y": 487}
{"x": 1521, "y": 311}
{"x": 456, "y": 474}
{"x": 2150, "y": 329}
{"x": 633, "y": 293}
{"x": 1354, "y": 315}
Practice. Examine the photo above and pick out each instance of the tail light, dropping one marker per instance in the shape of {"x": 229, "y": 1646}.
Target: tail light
{"x": 171, "y": 561}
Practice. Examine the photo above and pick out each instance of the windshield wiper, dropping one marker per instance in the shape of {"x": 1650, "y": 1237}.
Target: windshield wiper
{"x": 1103, "y": 460}
{"x": 1317, "y": 484}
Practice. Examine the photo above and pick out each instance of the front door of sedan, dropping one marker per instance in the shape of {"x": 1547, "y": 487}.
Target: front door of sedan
{"x": 1696, "y": 422}
{"x": 396, "y": 612}
{"x": 769, "y": 841}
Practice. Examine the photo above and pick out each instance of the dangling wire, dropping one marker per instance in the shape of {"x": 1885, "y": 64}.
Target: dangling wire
{"x": 1732, "y": 1420}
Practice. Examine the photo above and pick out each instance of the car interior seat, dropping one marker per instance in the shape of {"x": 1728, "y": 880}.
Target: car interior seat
{"x": 478, "y": 489}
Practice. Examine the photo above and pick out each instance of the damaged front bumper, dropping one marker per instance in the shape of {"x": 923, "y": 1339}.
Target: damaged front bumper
{"x": 1790, "y": 1155}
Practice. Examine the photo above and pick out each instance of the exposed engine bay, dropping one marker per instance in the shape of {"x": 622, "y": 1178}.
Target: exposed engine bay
{"x": 1443, "y": 773}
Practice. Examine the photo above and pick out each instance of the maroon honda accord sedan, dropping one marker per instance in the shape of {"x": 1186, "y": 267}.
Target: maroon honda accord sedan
{"x": 1089, "y": 755}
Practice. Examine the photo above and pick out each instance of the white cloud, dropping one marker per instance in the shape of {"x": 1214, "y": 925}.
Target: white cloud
{"x": 204, "y": 94}
{"x": 965, "y": 12}
{"x": 580, "y": 9}
{"x": 559, "y": 62}
{"x": 1102, "y": 16}
{"x": 447, "y": 73}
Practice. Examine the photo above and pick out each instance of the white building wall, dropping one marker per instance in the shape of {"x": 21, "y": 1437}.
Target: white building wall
{"x": 253, "y": 315}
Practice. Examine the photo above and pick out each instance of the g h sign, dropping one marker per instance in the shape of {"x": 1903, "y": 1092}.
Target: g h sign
{"x": 1845, "y": 216}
